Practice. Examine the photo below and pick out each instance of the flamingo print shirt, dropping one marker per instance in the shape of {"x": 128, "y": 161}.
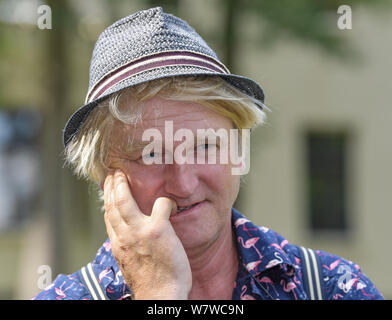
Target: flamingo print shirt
{"x": 269, "y": 268}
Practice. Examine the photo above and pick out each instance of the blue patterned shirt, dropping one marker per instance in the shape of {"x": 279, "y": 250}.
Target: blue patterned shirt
{"x": 269, "y": 268}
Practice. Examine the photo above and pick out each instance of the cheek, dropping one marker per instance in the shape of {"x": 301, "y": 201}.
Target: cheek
{"x": 221, "y": 181}
{"x": 144, "y": 186}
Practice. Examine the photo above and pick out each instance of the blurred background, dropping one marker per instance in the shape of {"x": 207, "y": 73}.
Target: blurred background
{"x": 320, "y": 167}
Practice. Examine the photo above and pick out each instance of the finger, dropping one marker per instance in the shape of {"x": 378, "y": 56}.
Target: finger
{"x": 111, "y": 213}
{"x": 123, "y": 199}
{"x": 162, "y": 209}
{"x": 107, "y": 188}
{"x": 109, "y": 228}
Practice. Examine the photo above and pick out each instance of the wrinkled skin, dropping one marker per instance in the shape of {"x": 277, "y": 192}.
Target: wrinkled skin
{"x": 163, "y": 255}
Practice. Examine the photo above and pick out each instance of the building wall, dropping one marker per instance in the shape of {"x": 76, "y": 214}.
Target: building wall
{"x": 306, "y": 89}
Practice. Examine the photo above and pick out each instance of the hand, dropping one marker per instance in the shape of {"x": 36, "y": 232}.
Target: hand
{"x": 151, "y": 257}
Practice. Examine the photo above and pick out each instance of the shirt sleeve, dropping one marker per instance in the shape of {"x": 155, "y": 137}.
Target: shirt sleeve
{"x": 344, "y": 280}
{"x": 65, "y": 287}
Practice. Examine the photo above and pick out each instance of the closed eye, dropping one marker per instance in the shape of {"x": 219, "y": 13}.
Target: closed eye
{"x": 149, "y": 155}
{"x": 208, "y": 146}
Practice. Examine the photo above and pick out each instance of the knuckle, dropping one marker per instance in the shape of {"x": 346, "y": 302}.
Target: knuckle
{"x": 120, "y": 201}
{"x": 106, "y": 216}
{"x": 153, "y": 232}
{"x": 122, "y": 245}
{"x": 108, "y": 207}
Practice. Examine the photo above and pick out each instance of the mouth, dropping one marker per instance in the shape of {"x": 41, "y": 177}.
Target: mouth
{"x": 186, "y": 209}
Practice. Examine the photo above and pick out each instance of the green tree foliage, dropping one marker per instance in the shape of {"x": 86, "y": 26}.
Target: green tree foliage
{"x": 309, "y": 21}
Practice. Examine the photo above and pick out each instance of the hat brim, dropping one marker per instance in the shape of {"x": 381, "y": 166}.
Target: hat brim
{"x": 246, "y": 85}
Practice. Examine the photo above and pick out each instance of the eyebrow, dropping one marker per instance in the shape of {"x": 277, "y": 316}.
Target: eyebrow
{"x": 139, "y": 145}
{"x": 133, "y": 148}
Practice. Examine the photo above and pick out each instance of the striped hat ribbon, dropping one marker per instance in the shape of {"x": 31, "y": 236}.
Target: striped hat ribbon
{"x": 163, "y": 59}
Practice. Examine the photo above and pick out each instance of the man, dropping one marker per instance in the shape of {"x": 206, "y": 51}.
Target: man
{"x": 160, "y": 133}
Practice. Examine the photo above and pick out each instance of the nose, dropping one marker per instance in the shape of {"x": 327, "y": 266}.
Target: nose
{"x": 181, "y": 180}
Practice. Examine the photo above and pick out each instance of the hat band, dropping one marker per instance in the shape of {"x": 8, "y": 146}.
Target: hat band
{"x": 164, "y": 59}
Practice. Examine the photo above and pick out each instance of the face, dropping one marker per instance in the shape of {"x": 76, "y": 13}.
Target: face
{"x": 211, "y": 188}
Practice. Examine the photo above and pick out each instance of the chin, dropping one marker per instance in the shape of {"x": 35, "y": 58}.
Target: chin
{"x": 199, "y": 235}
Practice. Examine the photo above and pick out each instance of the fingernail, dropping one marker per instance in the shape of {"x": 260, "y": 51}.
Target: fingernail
{"x": 174, "y": 207}
{"x": 117, "y": 173}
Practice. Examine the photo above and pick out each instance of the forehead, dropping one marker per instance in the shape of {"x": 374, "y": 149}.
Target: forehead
{"x": 182, "y": 114}
{"x": 158, "y": 110}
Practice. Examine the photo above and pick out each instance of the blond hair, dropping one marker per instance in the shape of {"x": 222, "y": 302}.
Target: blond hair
{"x": 87, "y": 152}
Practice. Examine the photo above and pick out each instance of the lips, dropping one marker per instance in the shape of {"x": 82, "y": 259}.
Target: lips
{"x": 180, "y": 209}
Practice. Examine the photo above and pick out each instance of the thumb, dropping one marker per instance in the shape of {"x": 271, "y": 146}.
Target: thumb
{"x": 163, "y": 207}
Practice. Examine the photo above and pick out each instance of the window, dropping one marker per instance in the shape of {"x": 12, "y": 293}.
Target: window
{"x": 326, "y": 180}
